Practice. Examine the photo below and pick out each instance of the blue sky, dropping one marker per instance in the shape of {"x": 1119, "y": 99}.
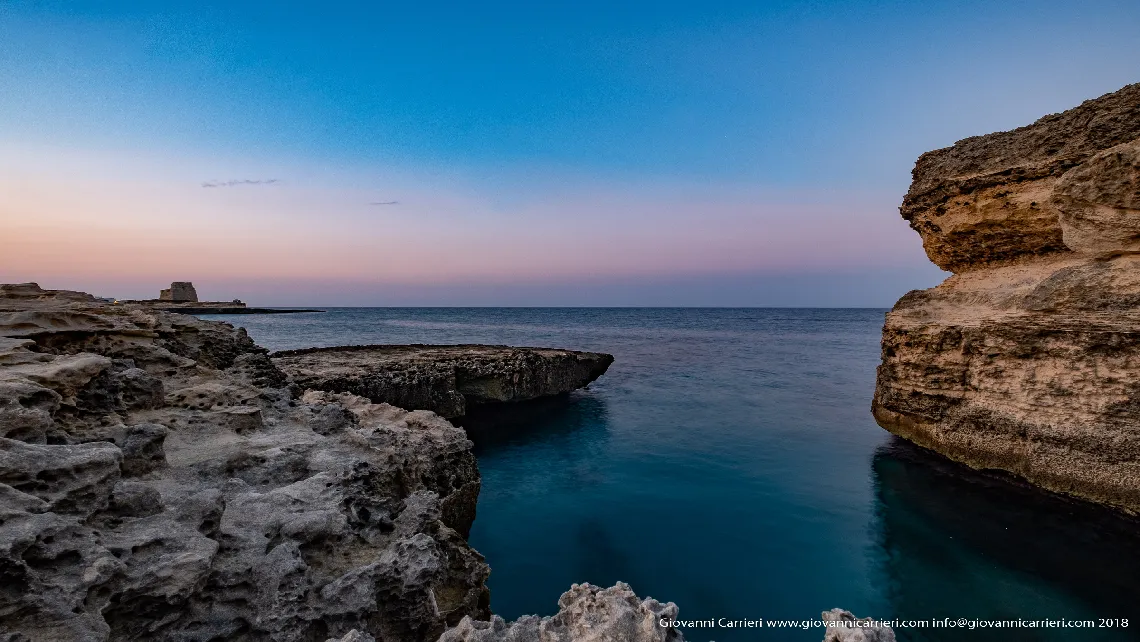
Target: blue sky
{"x": 541, "y": 153}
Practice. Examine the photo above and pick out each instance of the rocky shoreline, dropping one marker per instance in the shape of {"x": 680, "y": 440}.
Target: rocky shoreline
{"x": 162, "y": 479}
{"x": 1025, "y": 359}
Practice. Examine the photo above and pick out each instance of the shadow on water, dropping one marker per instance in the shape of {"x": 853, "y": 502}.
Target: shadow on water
{"x": 503, "y": 425}
{"x": 541, "y": 525}
{"x": 953, "y": 542}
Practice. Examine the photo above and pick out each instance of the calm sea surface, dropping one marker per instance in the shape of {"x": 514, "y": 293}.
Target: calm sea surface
{"x": 728, "y": 462}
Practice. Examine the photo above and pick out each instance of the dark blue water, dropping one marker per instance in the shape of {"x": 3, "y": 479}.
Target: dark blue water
{"x": 728, "y": 462}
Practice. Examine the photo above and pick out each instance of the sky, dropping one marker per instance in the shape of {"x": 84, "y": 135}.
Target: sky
{"x": 511, "y": 153}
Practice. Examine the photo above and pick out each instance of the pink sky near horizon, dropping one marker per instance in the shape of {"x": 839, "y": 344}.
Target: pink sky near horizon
{"x": 739, "y": 154}
{"x": 129, "y": 224}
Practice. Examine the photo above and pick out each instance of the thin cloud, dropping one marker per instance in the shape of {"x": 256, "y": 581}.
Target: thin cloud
{"x": 243, "y": 181}
{"x": 385, "y": 203}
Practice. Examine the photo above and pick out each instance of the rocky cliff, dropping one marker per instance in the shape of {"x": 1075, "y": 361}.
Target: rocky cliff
{"x": 1027, "y": 358}
{"x": 159, "y": 480}
{"x": 443, "y": 379}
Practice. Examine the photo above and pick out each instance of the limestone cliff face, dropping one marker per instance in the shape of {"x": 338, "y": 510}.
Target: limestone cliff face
{"x": 1027, "y": 359}
{"x": 991, "y": 199}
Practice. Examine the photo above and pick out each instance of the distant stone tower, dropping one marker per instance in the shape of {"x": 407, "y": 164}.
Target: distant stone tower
{"x": 179, "y": 292}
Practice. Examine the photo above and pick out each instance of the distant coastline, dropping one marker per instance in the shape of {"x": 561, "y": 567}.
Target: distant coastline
{"x": 233, "y": 310}
{"x": 182, "y": 297}
{"x": 209, "y": 307}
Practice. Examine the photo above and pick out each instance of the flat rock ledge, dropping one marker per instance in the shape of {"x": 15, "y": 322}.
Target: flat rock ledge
{"x": 445, "y": 379}
{"x": 1027, "y": 358}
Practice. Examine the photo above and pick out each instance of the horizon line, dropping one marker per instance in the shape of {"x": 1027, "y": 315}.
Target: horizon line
{"x": 564, "y": 307}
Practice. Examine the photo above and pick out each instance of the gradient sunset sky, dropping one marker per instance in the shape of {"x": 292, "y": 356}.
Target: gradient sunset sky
{"x": 529, "y": 153}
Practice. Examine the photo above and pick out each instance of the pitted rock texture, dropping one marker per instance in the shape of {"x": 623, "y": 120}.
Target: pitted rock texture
{"x": 443, "y": 379}
{"x": 843, "y": 626}
{"x": 991, "y": 199}
{"x": 1099, "y": 202}
{"x": 1028, "y": 361}
{"x": 160, "y": 481}
{"x": 586, "y": 613}
{"x": 353, "y": 636}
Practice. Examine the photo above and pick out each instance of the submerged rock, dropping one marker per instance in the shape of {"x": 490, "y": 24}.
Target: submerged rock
{"x": 1027, "y": 358}
{"x": 160, "y": 480}
{"x": 443, "y": 379}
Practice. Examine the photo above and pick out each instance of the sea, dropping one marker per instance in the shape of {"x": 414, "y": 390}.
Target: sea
{"x": 728, "y": 462}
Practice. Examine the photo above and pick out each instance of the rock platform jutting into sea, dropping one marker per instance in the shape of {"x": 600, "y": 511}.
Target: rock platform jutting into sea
{"x": 444, "y": 379}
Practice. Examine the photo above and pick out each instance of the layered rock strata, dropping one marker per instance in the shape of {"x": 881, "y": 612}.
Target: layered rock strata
{"x": 1027, "y": 358}
{"x": 159, "y": 480}
{"x": 443, "y": 379}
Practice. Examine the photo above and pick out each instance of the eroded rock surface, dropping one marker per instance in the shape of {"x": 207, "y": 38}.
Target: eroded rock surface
{"x": 992, "y": 199}
{"x": 1027, "y": 359}
{"x": 843, "y": 626}
{"x": 443, "y": 379}
{"x": 159, "y": 480}
{"x": 586, "y": 613}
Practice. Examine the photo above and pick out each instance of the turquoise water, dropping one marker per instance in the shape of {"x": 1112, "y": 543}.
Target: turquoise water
{"x": 728, "y": 462}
